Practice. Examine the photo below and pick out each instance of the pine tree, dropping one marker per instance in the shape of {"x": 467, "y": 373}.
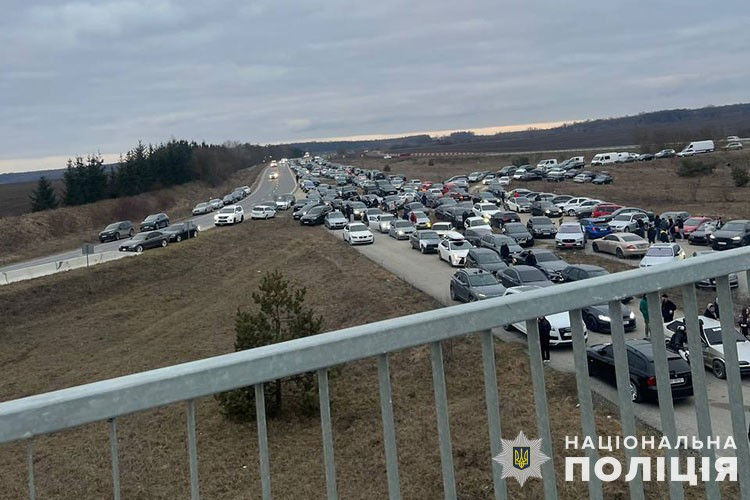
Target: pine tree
{"x": 43, "y": 197}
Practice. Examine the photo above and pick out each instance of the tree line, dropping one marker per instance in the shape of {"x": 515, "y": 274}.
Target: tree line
{"x": 149, "y": 167}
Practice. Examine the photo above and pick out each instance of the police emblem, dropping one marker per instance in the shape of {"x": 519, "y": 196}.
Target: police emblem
{"x": 521, "y": 458}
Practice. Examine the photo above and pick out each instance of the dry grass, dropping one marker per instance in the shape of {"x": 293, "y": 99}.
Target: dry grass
{"x": 35, "y": 234}
{"x": 15, "y": 198}
{"x": 177, "y": 304}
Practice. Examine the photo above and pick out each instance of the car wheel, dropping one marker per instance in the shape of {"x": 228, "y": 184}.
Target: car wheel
{"x": 571, "y": 212}
{"x": 453, "y": 293}
{"x": 593, "y": 370}
{"x": 421, "y": 249}
{"x": 595, "y": 248}
{"x": 163, "y": 243}
{"x": 179, "y": 238}
{"x": 619, "y": 253}
{"x": 591, "y": 323}
{"x": 117, "y": 236}
{"x": 719, "y": 369}
{"x": 139, "y": 249}
{"x": 635, "y": 393}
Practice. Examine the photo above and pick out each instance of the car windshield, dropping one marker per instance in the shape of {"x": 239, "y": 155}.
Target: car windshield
{"x": 523, "y": 201}
{"x": 150, "y": 218}
{"x": 631, "y": 237}
{"x": 734, "y": 226}
{"x": 201, "y": 205}
{"x": 374, "y": 211}
{"x": 140, "y": 237}
{"x": 660, "y": 252}
{"x": 228, "y": 210}
{"x": 487, "y": 206}
{"x": 482, "y": 279}
{"x": 460, "y": 245}
{"x": 569, "y": 229}
{"x": 357, "y": 204}
{"x": 429, "y": 235}
{"x": 312, "y": 211}
{"x": 623, "y": 218}
{"x": 112, "y": 227}
{"x": 336, "y": 215}
{"x": 546, "y": 257}
{"x": 401, "y": 223}
{"x": 440, "y": 226}
{"x": 357, "y": 227}
{"x": 531, "y": 274}
{"x": 386, "y": 217}
{"x": 713, "y": 335}
{"x": 419, "y": 215}
{"x": 515, "y": 228}
{"x": 693, "y": 222}
{"x": 542, "y": 221}
{"x": 487, "y": 258}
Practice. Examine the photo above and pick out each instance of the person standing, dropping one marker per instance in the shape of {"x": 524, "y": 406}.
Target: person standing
{"x": 667, "y": 308}
{"x": 681, "y": 228}
{"x": 710, "y": 312}
{"x": 744, "y": 323}
{"x": 640, "y": 228}
{"x": 643, "y": 306}
{"x": 531, "y": 259}
{"x": 651, "y": 234}
{"x": 348, "y": 211}
{"x": 544, "y": 330}
{"x": 505, "y": 252}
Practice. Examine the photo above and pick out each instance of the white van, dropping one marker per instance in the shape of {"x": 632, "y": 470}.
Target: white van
{"x": 576, "y": 159}
{"x": 604, "y": 159}
{"x": 697, "y": 147}
{"x": 545, "y": 164}
{"x": 622, "y": 157}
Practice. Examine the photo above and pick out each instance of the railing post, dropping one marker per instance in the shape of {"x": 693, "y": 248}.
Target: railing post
{"x": 441, "y": 408}
{"x": 389, "y": 432}
{"x": 192, "y": 450}
{"x": 265, "y": 465}
{"x": 588, "y": 423}
{"x": 664, "y": 390}
{"x": 734, "y": 382}
{"x": 325, "y": 424}
{"x": 493, "y": 411}
{"x": 540, "y": 407}
{"x": 622, "y": 374}
{"x": 115, "y": 458}
{"x": 30, "y": 466}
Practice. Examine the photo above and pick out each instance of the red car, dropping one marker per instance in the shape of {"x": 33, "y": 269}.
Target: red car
{"x": 692, "y": 223}
{"x": 604, "y": 209}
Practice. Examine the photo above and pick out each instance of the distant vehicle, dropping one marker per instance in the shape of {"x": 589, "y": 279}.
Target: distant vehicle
{"x": 586, "y": 208}
{"x": 595, "y": 228}
{"x": 228, "y": 200}
{"x": 420, "y": 219}
{"x": 385, "y": 221}
{"x": 117, "y": 230}
{"x": 547, "y": 163}
{"x": 627, "y": 222}
{"x": 315, "y": 216}
{"x": 733, "y": 234}
{"x": 702, "y": 234}
{"x": 454, "y": 251}
{"x": 336, "y": 220}
{"x": 546, "y": 261}
{"x": 215, "y": 203}
{"x": 495, "y": 242}
{"x": 441, "y": 228}
{"x": 485, "y": 210}
{"x": 178, "y": 232}
{"x": 570, "y": 235}
{"x": 519, "y": 233}
{"x": 476, "y": 222}
{"x": 488, "y": 178}
{"x": 733, "y": 146}
{"x": 666, "y": 153}
{"x": 485, "y": 258}
{"x": 604, "y": 159}
{"x": 284, "y": 201}
{"x": 556, "y": 175}
{"x": 154, "y": 222}
{"x": 499, "y": 219}
{"x": 561, "y": 332}
{"x": 231, "y": 214}
{"x": 469, "y": 285}
{"x": 645, "y": 157}
{"x": 584, "y": 177}
{"x": 545, "y": 208}
{"x": 246, "y": 190}
{"x": 541, "y": 227}
{"x": 692, "y": 223}
{"x": 641, "y": 366}
{"x": 604, "y": 209}
{"x": 356, "y": 233}
{"x": 273, "y": 175}
{"x": 602, "y": 178}
{"x": 697, "y": 147}
{"x": 662, "y": 253}
{"x": 425, "y": 241}
{"x": 732, "y": 138}
{"x": 401, "y": 229}
{"x": 202, "y": 208}
{"x": 523, "y": 276}
{"x": 144, "y": 241}
{"x": 621, "y": 244}
{"x": 519, "y": 204}
{"x": 504, "y": 180}
{"x": 266, "y": 212}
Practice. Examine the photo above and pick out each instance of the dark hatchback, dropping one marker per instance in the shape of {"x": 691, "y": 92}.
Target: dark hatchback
{"x": 640, "y": 354}
{"x": 144, "y": 241}
{"x": 117, "y": 230}
{"x": 546, "y": 261}
{"x": 484, "y": 258}
{"x": 541, "y": 227}
{"x": 518, "y": 232}
{"x": 733, "y": 234}
{"x": 469, "y": 285}
{"x": 154, "y": 222}
{"x": 545, "y": 207}
{"x": 498, "y": 219}
{"x": 182, "y": 231}
{"x": 315, "y": 216}
{"x": 523, "y": 275}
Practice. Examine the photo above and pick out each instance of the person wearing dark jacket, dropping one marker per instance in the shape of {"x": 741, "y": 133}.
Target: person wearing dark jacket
{"x": 651, "y": 234}
{"x": 505, "y": 252}
{"x": 663, "y": 235}
{"x": 667, "y": 308}
{"x": 681, "y": 228}
{"x": 744, "y": 322}
{"x": 424, "y": 199}
{"x": 464, "y": 217}
{"x": 710, "y": 312}
{"x": 544, "y": 330}
{"x": 531, "y": 259}
{"x": 640, "y": 228}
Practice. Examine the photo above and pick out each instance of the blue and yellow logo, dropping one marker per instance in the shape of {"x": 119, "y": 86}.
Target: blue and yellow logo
{"x": 521, "y": 457}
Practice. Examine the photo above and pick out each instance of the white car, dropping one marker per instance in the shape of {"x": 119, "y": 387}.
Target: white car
{"x": 263, "y": 212}
{"x": 519, "y": 204}
{"x": 384, "y": 222}
{"x": 443, "y": 228}
{"x": 476, "y": 223}
{"x": 488, "y": 179}
{"x": 454, "y": 250}
{"x": 519, "y": 173}
{"x": 231, "y": 214}
{"x": 273, "y": 175}
{"x": 570, "y": 235}
{"x": 627, "y": 222}
{"x": 202, "y": 208}
{"x": 485, "y": 210}
{"x": 586, "y": 206}
{"x": 284, "y": 202}
{"x": 357, "y": 233}
{"x": 569, "y": 207}
{"x": 561, "y": 333}
{"x": 335, "y": 220}
{"x": 504, "y": 180}
{"x": 662, "y": 253}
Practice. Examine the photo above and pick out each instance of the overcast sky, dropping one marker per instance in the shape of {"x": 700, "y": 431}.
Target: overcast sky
{"x": 80, "y": 77}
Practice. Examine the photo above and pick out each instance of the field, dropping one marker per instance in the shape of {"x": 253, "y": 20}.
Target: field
{"x": 652, "y": 185}
{"x": 35, "y": 234}
{"x": 15, "y": 198}
{"x": 178, "y": 304}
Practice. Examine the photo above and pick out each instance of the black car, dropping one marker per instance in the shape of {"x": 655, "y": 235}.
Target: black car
{"x": 117, "y": 230}
{"x": 534, "y": 175}
{"x": 475, "y": 235}
{"x": 315, "y": 216}
{"x": 300, "y": 211}
{"x": 182, "y": 231}
{"x": 154, "y": 222}
{"x": 523, "y": 275}
{"x": 468, "y": 285}
{"x": 602, "y": 178}
{"x": 486, "y": 197}
{"x": 386, "y": 189}
{"x": 601, "y": 362}
{"x": 144, "y": 241}
{"x": 541, "y": 227}
{"x": 425, "y": 241}
{"x": 578, "y": 272}
{"x": 546, "y": 208}
{"x": 499, "y": 219}
{"x": 701, "y": 235}
{"x": 733, "y": 234}
{"x": 443, "y": 206}
{"x": 546, "y": 261}
{"x": 484, "y": 258}
{"x": 518, "y": 232}
{"x": 495, "y": 241}
{"x": 562, "y": 198}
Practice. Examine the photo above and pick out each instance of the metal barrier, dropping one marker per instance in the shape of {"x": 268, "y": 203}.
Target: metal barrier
{"x": 109, "y": 399}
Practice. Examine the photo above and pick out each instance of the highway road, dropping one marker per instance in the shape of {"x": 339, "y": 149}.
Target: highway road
{"x": 432, "y": 276}
{"x": 264, "y": 189}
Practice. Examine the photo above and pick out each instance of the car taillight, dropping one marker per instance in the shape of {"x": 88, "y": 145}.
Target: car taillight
{"x": 651, "y": 381}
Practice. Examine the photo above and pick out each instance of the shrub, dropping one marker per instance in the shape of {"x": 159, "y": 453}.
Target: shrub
{"x": 740, "y": 176}
{"x": 431, "y": 163}
{"x": 387, "y": 168}
{"x": 695, "y": 168}
{"x": 520, "y": 160}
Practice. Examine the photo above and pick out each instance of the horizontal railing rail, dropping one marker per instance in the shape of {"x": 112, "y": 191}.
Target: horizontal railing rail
{"x": 106, "y": 400}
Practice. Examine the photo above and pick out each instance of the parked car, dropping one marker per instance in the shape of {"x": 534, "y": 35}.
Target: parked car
{"x": 713, "y": 346}
{"x": 315, "y": 216}
{"x": 662, "y": 253}
{"x": 485, "y": 258}
{"x": 584, "y": 177}
{"x": 734, "y": 281}
{"x": 545, "y": 207}
{"x": 215, "y": 203}
{"x": 499, "y": 219}
{"x": 303, "y": 208}
{"x": 178, "y": 232}
{"x": 541, "y": 227}
{"x": 268, "y": 212}
{"x": 495, "y": 241}
{"x": 595, "y": 227}
{"x": 556, "y": 175}
{"x": 336, "y": 220}
{"x": 519, "y": 204}
{"x": 733, "y": 234}
{"x": 601, "y": 362}
{"x": 675, "y": 214}
{"x": 577, "y": 272}
{"x": 425, "y": 241}
{"x": 154, "y": 222}
{"x": 144, "y": 241}
{"x": 645, "y": 157}
{"x": 504, "y": 180}
{"x": 631, "y": 210}
{"x": 488, "y": 178}
{"x": 284, "y": 201}
{"x": 692, "y": 223}
{"x": 604, "y": 209}
{"x": 441, "y": 228}
{"x": 474, "y": 235}
{"x": 627, "y": 222}
{"x": 570, "y": 235}
{"x": 401, "y": 229}
{"x": 519, "y": 233}
{"x": 561, "y": 199}
{"x": 622, "y": 245}
{"x": 666, "y": 153}
{"x": 356, "y": 233}
{"x": 420, "y": 219}
{"x": 228, "y": 200}
{"x": 117, "y": 230}
{"x": 602, "y": 178}
{"x": 469, "y": 285}
{"x": 231, "y": 214}
{"x": 546, "y": 261}
{"x": 202, "y": 208}
{"x": 522, "y": 276}
{"x": 454, "y": 251}
{"x": 733, "y": 146}
{"x": 596, "y": 317}
{"x": 702, "y": 234}
{"x": 476, "y": 222}
{"x": 569, "y": 207}
{"x": 485, "y": 210}
{"x": 586, "y": 209}
{"x": 561, "y": 332}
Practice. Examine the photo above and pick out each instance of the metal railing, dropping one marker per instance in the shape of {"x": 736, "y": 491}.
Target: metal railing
{"x": 25, "y": 418}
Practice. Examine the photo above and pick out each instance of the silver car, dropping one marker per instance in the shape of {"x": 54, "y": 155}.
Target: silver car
{"x": 713, "y": 349}
{"x": 401, "y": 229}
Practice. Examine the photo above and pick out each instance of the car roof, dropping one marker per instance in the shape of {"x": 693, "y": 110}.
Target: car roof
{"x": 474, "y": 270}
{"x": 588, "y": 267}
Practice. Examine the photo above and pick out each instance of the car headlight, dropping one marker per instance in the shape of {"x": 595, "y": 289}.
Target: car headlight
{"x": 546, "y": 211}
{"x": 429, "y": 224}
{"x": 604, "y": 318}
{"x": 632, "y": 315}
{"x": 481, "y": 295}
{"x": 736, "y": 238}
{"x": 712, "y": 237}
{"x": 401, "y": 232}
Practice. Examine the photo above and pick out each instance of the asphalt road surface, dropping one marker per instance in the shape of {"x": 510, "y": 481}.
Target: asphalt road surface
{"x": 265, "y": 189}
